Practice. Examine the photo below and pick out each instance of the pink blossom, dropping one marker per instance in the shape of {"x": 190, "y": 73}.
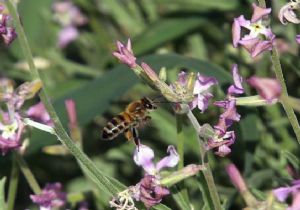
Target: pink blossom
{"x": 125, "y": 54}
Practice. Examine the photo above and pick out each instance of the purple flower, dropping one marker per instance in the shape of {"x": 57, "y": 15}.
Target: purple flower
{"x": 149, "y": 190}
{"x": 282, "y": 193}
{"x": 201, "y": 92}
{"x": 222, "y": 138}
{"x": 298, "y": 38}
{"x": 287, "y": 14}
{"x": 7, "y": 32}
{"x": 51, "y": 196}
{"x": 269, "y": 89}
{"x": 125, "y": 54}
{"x": 143, "y": 156}
{"x": 10, "y": 132}
{"x": 39, "y": 114}
{"x": 69, "y": 17}
{"x": 253, "y": 41}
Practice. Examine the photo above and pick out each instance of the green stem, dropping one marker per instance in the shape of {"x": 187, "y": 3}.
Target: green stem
{"x": 13, "y": 184}
{"x": 28, "y": 174}
{"x": 102, "y": 181}
{"x": 206, "y": 172}
{"x": 284, "y": 95}
{"x": 180, "y": 140}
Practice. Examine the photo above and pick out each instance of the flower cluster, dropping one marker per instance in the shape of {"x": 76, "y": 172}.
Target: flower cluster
{"x": 12, "y": 119}
{"x": 223, "y": 138}
{"x": 69, "y": 17}
{"x": 260, "y": 38}
{"x": 7, "y": 31}
{"x": 51, "y": 196}
{"x": 200, "y": 89}
{"x": 148, "y": 190}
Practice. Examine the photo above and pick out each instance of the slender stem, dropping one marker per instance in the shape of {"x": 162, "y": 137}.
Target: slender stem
{"x": 207, "y": 172}
{"x": 28, "y": 174}
{"x": 284, "y": 99}
{"x": 13, "y": 184}
{"x": 103, "y": 182}
{"x": 180, "y": 140}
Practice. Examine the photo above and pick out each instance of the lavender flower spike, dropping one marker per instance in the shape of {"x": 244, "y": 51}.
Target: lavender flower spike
{"x": 269, "y": 89}
{"x": 287, "y": 14}
{"x": 125, "y": 54}
{"x": 143, "y": 156}
{"x": 51, "y": 196}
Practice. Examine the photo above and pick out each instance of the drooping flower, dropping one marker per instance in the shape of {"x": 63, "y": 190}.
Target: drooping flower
{"x": 150, "y": 192}
{"x": 259, "y": 39}
{"x": 69, "y": 17}
{"x": 236, "y": 177}
{"x": 269, "y": 89}
{"x": 7, "y": 31}
{"x": 51, "y": 196}
{"x": 10, "y": 132}
{"x": 287, "y": 14}
{"x": 223, "y": 138}
{"x": 125, "y": 54}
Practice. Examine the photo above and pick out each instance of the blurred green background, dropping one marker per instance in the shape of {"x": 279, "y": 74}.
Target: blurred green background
{"x": 190, "y": 34}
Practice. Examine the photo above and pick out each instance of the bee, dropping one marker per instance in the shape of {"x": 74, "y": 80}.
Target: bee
{"x": 135, "y": 115}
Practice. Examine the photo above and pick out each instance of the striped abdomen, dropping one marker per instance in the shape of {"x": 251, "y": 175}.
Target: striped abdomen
{"x": 116, "y": 126}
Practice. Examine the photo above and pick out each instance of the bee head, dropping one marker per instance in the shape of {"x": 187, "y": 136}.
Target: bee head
{"x": 148, "y": 103}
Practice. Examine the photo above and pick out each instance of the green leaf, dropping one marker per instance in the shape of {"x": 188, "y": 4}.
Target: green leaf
{"x": 291, "y": 158}
{"x": 2, "y": 193}
{"x": 164, "y": 30}
{"x": 197, "y": 5}
{"x": 179, "y": 198}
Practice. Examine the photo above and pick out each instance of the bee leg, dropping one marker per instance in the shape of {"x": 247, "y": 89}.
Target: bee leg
{"x": 135, "y": 137}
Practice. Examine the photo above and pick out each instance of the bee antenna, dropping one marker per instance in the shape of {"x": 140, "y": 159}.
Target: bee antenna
{"x": 155, "y": 100}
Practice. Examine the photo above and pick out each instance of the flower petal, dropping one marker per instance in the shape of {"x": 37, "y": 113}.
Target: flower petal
{"x": 203, "y": 83}
{"x": 168, "y": 161}
{"x": 143, "y": 156}
{"x": 259, "y": 12}
{"x": 282, "y": 193}
{"x": 237, "y": 87}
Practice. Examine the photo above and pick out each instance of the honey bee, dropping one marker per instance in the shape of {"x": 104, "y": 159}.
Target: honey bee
{"x": 127, "y": 122}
